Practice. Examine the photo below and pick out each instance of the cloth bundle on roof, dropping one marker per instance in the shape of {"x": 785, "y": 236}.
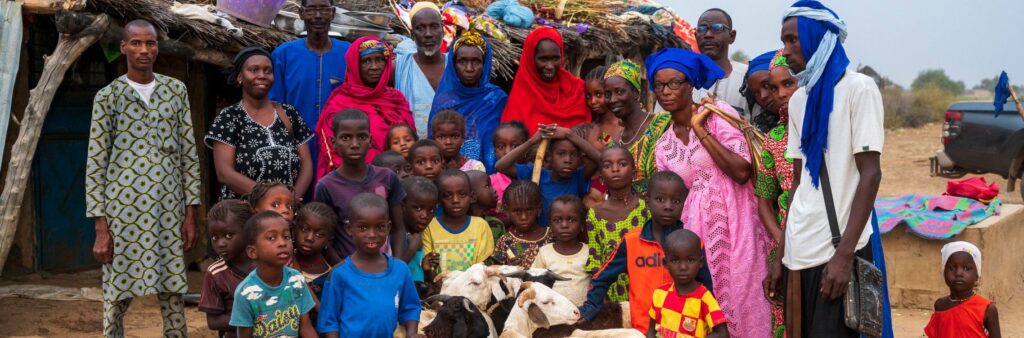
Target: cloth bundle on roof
{"x": 932, "y": 217}
{"x": 512, "y": 13}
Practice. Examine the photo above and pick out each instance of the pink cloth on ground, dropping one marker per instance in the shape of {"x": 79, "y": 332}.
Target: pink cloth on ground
{"x": 724, "y": 215}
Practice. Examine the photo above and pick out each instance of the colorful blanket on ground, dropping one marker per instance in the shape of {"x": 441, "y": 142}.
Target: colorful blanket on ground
{"x": 932, "y": 217}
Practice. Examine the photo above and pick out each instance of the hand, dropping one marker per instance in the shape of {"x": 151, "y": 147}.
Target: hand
{"x": 415, "y": 242}
{"x": 103, "y": 248}
{"x": 697, "y": 121}
{"x": 431, "y": 261}
{"x": 836, "y": 277}
{"x": 559, "y": 133}
{"x": 773, "y": 288}
{"x": 188, "y": 231}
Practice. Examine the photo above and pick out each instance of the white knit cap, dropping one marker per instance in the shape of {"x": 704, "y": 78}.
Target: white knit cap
{"x": 954, "y": 247}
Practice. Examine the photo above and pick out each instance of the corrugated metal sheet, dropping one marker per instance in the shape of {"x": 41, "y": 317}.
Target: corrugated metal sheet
{"x": 10, "y": 53}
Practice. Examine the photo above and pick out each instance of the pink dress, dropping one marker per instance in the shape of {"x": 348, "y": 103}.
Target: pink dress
{"x": 724, "y": 215}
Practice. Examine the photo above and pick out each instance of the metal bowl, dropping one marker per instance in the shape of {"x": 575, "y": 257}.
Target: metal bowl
{"x": 351, "y": 33}
{"x": 363, "y": 19}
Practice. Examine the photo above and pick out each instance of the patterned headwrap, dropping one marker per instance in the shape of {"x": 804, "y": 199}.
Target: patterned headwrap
{"x": 373, "y": 46}
{"x": 470, "y": 38}
{"x": 627, "y": 70}
{"x": 954, "y": 247}
{"x": 779, "y": 60}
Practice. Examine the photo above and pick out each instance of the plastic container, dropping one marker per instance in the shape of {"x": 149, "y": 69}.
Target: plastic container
{"x": 259, "y": 12}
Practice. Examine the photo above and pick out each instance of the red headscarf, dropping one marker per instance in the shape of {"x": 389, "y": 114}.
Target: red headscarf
{"x": 534, "y": 101}
{"x": 385, "y": 106}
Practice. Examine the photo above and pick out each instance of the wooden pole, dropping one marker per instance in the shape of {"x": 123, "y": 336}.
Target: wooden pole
{"x": 52, "y": 6}
{"x": 1013, "y": 94}
{"x": 70, "y": 47}
{"x": 538, "y": 161}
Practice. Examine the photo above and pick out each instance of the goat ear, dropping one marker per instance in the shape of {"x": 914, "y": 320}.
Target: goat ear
{"x": 537, "y": 316}
{"x": 466, "y": 305}
{"x": 527, "y": 296}
{"x": 492, "y": 271}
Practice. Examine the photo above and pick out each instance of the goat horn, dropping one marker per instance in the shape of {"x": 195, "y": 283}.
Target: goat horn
{"x": 439, "y": 278}
{"x": 521, "y": 274}
{"x": 493, "y": 271}
{"x": 557, "y": 277}
{"x": 432, "y": 300}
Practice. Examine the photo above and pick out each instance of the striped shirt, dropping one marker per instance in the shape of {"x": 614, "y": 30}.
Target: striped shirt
{"x": 691, "y": 315}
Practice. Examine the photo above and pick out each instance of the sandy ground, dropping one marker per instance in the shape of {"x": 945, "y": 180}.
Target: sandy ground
{"x": 905, "y": 170}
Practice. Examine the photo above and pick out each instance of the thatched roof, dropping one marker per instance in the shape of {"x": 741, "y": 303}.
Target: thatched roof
{"x": 596, "y": 41}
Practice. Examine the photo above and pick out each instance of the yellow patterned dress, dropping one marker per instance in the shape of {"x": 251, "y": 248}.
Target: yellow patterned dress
{"x": 141, "y": 173}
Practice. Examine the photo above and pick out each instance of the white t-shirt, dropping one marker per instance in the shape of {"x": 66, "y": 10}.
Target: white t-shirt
{"x": 145, "y": 90}
{"x": 855, "y": 126}
{"x": 571, "y": 267}
{"x": 728, "y": 89}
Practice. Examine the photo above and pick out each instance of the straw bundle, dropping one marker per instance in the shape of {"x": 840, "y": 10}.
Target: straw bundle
{"x": 754, "y": 137}
{"x": 594, "y": 12}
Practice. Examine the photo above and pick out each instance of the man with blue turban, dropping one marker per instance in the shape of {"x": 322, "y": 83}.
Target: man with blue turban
{"x": 836, "y": 122}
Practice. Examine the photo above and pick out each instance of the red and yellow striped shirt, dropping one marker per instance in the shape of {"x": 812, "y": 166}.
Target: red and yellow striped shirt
{"x": 692, "y": 315}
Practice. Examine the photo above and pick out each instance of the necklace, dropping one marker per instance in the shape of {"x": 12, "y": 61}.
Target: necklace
{"x": 637, "y": 133}
{"x": 625, "y": 199}
{"x": 960, "y": 300}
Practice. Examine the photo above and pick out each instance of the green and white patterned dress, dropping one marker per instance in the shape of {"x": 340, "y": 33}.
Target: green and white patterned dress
{"x": 141, "y": 173}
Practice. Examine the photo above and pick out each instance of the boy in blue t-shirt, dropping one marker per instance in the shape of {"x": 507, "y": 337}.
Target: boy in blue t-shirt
{"x": 370, "y": 293}
{"x": 273, "y": 301}
{"x": 562, "y": 174}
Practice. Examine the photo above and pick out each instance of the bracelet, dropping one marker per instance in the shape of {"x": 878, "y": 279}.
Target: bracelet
{"x": 701, "y": 139}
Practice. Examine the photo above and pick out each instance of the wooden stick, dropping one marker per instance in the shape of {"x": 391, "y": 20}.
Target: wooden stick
{"x": 69, "y": 48}
{"x": 1013, "y": 94}
{"x": 538, "y": 161}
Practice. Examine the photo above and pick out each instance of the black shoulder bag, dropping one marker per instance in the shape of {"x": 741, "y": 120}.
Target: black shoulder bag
{"x": 863, "y": 299}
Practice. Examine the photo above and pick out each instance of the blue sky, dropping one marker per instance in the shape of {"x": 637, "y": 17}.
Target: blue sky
{"x": 971, "y": 40}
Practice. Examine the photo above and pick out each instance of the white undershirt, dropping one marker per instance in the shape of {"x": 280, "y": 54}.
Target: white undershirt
{"x": 145, "y": 90}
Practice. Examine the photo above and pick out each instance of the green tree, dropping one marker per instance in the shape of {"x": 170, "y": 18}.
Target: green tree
{"x": 740, "y": 56}
{"x": 937, "y": 78}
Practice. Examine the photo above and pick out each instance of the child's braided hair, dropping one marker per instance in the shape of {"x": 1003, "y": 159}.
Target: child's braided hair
{"x": 260, "y": 190}
{"x": 575, "y": 201}
{"x": 221, "y": 211}
{"x": 523, "y": 192}
{"x": 448, "y": 116}
{"x": 596, "y": 74}
{"x": 317, "y": 209}
{"x": 517, "y": 126}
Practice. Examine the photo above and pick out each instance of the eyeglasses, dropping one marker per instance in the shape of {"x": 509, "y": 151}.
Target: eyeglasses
{"x": 673, "y": 85}
{"x": 715, "y": 28}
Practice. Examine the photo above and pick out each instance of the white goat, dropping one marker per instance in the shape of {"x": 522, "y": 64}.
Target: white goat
{"x": 609, "y": 333}
{"x": 538, "y": 307}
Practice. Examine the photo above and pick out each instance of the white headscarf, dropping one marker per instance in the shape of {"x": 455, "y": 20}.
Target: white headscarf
{"x": 954, "y": 247}
{"x": 816, "y": 64}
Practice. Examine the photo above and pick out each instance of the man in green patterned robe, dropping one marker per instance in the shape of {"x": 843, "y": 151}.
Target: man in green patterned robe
{"x": 142, "y": 185}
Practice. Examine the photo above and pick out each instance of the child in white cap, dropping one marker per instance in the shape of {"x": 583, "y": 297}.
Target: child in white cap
{"x": 962, "y": 314}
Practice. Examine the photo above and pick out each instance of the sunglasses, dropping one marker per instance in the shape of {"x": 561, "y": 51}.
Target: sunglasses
{"x": 715, "y": 28}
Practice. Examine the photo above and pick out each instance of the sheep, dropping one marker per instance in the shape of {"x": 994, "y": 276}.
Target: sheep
{"x": 482, "y": 285}
{"x": 499, "y": 312}
{"x": 538, "y": 307}
{"x": 612, "y": 316}
{"x": 456, "y": 316}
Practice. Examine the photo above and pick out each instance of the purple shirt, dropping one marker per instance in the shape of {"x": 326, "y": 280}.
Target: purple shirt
{"x": 338, "y": 191}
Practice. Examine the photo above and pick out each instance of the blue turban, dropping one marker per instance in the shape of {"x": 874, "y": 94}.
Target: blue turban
{"x": 761, "y": 62}
{"x": 700, "y": 70}
{"x": 821, "y": 36}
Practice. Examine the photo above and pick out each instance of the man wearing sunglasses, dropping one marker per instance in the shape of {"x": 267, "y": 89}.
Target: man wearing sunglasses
{"x": 714, "y": 35}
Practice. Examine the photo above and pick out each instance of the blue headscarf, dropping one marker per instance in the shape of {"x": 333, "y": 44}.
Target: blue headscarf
{"x": 761, "y": 62}
{"x": 700, "y": 70}
{"x": 481, "y": 106}
{"x": 821, "y": 36}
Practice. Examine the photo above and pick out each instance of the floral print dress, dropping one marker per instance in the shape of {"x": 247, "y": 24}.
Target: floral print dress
{"x": 774, "y": 180}
{"x": 262, "y": 153}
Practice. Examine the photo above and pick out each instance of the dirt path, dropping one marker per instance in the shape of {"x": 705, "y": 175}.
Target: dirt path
{"x": 905, "y": 170}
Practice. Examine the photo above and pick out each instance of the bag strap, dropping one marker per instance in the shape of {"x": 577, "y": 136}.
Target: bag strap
{"x": 830, "y": 204}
